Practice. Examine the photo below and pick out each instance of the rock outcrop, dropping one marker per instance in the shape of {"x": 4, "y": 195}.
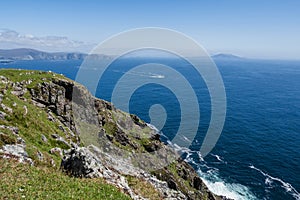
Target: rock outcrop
{"x": 118, "y": 147}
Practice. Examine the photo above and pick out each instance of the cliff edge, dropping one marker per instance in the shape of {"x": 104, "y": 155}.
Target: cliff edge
{"x": 46, "y": 129}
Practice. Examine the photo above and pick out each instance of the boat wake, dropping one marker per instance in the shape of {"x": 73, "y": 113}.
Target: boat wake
{"x": 142, "y": 74}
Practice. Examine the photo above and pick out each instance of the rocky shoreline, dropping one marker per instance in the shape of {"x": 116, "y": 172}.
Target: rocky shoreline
{"x": 90, "y": 147}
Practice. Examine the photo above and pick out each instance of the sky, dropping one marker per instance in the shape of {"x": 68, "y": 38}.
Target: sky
{"x": 250, "y": 28}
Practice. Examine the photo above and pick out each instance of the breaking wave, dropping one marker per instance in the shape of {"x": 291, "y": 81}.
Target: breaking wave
{"x": 269, "y": 181}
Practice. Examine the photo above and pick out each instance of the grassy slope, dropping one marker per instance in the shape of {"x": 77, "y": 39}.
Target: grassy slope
{"x": 43, "y": 180}
{"x": 19, "y": 181}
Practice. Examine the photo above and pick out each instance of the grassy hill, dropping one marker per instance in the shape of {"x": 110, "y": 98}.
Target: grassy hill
{"x": 44, "y": 148}
{"x": 39, "y": 177}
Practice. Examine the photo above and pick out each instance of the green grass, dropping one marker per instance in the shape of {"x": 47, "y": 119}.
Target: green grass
{"x": 21, "y": 181}
{"x": 32, "y": 126}
{"x": 25, "y": 75}
{"x": 35, "y": 123}
{"x": 143, "y": 188}
{"x": 43, "y": 180}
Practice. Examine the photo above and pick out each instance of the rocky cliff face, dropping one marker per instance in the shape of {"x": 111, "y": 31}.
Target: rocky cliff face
{"x": 42, "y": 123}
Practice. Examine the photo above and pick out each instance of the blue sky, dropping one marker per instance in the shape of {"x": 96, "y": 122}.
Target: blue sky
{"x": 251, "y": 28}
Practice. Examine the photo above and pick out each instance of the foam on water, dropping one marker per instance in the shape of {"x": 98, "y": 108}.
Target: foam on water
{"x": 217, "y": 157}
{"x": 220, "y": 187}
{"x": 269, "y": 181}
{"x": 230, "y": 190}
{"x": 215, "y": 183}
{"x": 151, "y": 126}
{"x": 211, "y": 179}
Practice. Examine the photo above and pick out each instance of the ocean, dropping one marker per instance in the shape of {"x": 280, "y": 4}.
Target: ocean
{"x": 258, "y": 153}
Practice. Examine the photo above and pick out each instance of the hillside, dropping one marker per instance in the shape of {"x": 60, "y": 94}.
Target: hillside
{"x": 223, "y": 56}
{"x": 47, "y": 152}
{"x": 32, "y": 54}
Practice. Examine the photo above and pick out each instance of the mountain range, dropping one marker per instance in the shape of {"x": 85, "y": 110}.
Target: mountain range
{"x": 9, "y": 55}
{"x": 32, "y": 54}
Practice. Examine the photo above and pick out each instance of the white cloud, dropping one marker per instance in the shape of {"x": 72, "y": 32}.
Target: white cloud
{"x": 11, "y": 39}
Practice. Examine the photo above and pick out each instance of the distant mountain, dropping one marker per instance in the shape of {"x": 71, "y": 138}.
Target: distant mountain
{"x": 32, "y": 54}
{"x": 227, "y": 56}
{"x": 9, "y": 55}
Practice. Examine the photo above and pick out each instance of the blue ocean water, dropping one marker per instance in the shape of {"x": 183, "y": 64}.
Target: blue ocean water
{"x": 258, "y": 153}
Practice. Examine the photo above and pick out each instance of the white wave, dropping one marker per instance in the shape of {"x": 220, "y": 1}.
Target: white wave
{"x": 287, "y": 186}
{"x": 200, "y": 156}
{"x": 186, "y": 139}
{"x": 268, "y": 181}
{"x": 180, "y": 149}
{"x": 211, "y": 179}
{"x": 151, "y": 126}
{"x": 217, "y": 157}
{"x": 188, "y": 157}
{"x": 230, "y": 190}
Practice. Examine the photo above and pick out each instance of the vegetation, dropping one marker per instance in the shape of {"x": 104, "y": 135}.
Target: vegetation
{"x": 44, "y": 180}
{"x": 143, "y": 188}
{"x": 22, "y": 181}
{"x": 42, "y": 131}
{"x": 32, "y": 124}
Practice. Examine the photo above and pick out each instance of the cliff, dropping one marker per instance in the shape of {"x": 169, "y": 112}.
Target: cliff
{"x": 32, "y": 54}
{"x": 40, "y": 128}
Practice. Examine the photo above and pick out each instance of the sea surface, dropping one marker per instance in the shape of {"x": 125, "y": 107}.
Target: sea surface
{"x": 258, "y": 153}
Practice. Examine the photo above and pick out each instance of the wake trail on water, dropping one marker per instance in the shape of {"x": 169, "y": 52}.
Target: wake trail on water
{"x": 270, "y": 180}
{"x": 142, "y": 74}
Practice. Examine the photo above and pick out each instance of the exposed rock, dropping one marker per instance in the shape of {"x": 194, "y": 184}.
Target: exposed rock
{"x": 15, "y": 151}
{"x": 80, "y": 162}
{"x": 20, "y": 141}
{"x": 52, "y": 162}
{"x": 44, "y": 139}
{"x": 38, "y": 104}
{"x": 18, "y": 89}
{"x": 40, "y": 156}
{"x": 6, "y": 108}
{"x": 61, "y": 128}
{"x": 163, "y": 188}
{"x": 86, "y": 162}
{"x": 3, "y": 79}
{"x": 126, "y": 146}
{"x": 55, "y": 136}
{"x": 61, "y": 139}
{"x": 57, "y": 150}
{"x": 197, "y": 183}
{"x": 13, "y": 129}
{"x": 17, "y": 93}
{"x": 2, "y": 115}
{"x": 51, "y": 117}
{"x": 25, "y": 110}
{"x": 56, "y": 96}
{"x": 179, "y": 174}
{"x": 137, "y": 120}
